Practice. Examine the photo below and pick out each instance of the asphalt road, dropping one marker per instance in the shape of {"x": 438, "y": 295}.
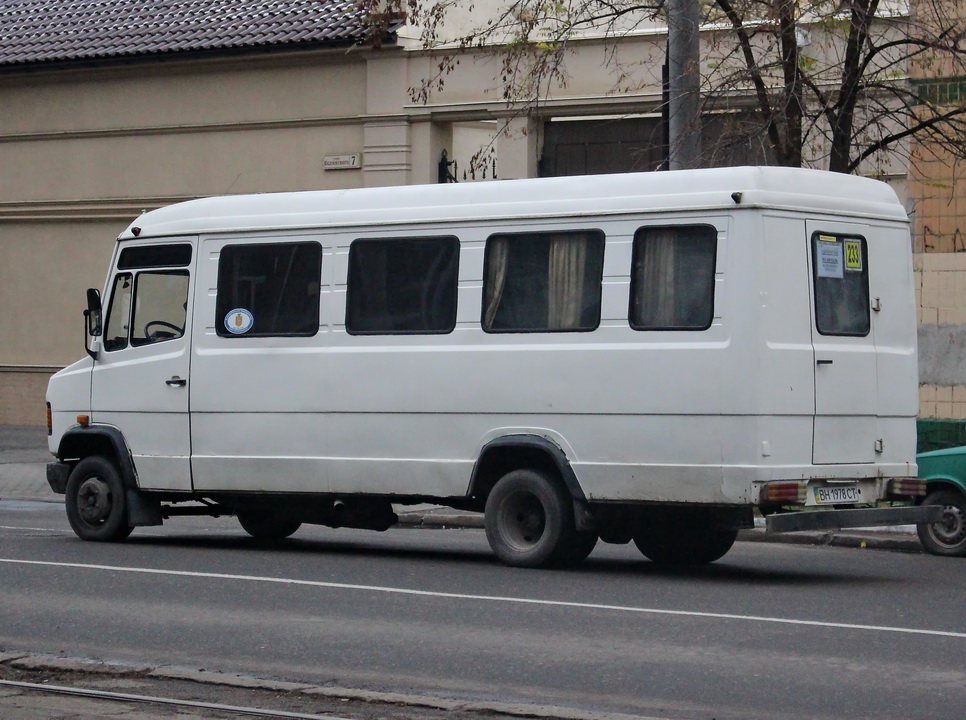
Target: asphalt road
{"x": 772, "y": 631}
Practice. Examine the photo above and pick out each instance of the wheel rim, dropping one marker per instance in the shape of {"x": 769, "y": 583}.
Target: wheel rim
{"x": 94, "y": 501}
{"x": 523, "y": 520}
{"x": 951, "y": 530}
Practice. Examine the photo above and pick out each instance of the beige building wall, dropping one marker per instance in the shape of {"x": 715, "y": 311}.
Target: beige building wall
{"x": 45, "y": 267}
{"x": 83, "y": 152}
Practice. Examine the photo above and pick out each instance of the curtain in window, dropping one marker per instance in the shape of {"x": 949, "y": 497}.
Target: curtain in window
{"x": 655, "y": 280}
{"x": 498, "y": 251}
{"x": 566, "y": 273}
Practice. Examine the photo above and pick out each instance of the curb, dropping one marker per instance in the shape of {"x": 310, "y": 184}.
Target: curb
{"x": 49, "y": 663}
{"x": 868, "y": 540}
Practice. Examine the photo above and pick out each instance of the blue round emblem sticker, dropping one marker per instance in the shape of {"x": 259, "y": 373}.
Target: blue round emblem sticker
{"x": 239, "y": 321}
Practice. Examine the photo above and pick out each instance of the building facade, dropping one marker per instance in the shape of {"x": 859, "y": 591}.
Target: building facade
{"x": 937, "y": 191}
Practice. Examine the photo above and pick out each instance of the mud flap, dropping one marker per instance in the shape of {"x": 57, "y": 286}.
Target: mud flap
{"x": 142, "y": 511}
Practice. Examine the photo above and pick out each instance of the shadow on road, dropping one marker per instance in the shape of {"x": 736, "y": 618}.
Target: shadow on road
{"x": 598, "y": 565}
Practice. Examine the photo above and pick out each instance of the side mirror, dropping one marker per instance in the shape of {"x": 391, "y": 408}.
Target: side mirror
{"x": 93, "y": 312}
{"x": 92, "y": 317}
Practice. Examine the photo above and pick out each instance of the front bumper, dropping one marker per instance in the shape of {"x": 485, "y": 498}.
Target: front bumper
{"x": 57, "y": 474}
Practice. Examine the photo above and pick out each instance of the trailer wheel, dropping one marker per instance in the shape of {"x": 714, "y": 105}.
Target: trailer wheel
{"x": 96, "y": 501}
{"x": 267, "y": 523}
{"x": 529, "y": 520}
{"x": 948, "y": 536}
{"x": 683, "y": 538}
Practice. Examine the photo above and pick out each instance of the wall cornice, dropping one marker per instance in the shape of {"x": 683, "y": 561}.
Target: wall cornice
{"x": 240, "y": 126}
{"x": 45, "y": 369}
{"x": 107, "y": 210}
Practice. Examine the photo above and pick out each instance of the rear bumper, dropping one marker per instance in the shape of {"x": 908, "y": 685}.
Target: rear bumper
{"x": 852, "y": 518}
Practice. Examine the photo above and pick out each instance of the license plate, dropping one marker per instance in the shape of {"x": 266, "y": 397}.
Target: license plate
{"x": 838, "y": 495}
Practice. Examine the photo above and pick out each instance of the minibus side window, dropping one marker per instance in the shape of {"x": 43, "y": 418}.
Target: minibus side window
{"x": 402, "y": 285}
{"x": 841, "y": 273}
{"x": 543, "y": 282}
{"x": 155, "y": 256}
{"x": 160, "y": 306}
{"x": 269, "y": 290}
{"x": 672, "y": 277}
{"x": 116, "y": 324}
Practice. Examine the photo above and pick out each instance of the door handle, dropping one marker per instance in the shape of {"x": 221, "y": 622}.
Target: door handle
{"x": 176, "y": 382}
{"x": 824, "y": 362}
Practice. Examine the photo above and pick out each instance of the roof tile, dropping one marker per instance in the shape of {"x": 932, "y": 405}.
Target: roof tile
{"x": 43, "y": 31}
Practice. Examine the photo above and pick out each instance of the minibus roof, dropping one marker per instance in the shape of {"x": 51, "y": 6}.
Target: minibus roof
{"x": 812, "y": 191}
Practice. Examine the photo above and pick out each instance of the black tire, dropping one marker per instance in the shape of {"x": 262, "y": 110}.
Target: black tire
{"x": 529, "y": 520}
{"x": 948, "y": 537}
{"x": 96, "y": 501}
{"x": 581, "y": 545}
{"x": 683, "y": 537}
{"x": 267, "y": 523}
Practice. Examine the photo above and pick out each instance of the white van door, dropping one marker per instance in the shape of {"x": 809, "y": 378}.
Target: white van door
{"x": 139, "y": 382}
{"x": 258, "y": 398}
{"x": 844, "y": 344}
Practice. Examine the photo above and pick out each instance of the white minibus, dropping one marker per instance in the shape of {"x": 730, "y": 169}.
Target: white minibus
{"x": 650, "y": 357}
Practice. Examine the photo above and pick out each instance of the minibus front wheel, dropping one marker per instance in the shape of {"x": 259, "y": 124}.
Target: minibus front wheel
{"x": 96, "y": 501}
{"x": 529, "y": 522}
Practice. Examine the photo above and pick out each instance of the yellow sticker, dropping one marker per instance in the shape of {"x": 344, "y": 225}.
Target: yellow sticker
{"x": 853, "y": 254}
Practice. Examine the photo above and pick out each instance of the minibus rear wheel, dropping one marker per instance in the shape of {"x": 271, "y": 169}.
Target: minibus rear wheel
{"x": 267, "y": 523}
{"x": 96, "y": 501}
{"x": 683, "y": 538}
{"x": 582, "y": 544}
{"x": 529, "y": 521}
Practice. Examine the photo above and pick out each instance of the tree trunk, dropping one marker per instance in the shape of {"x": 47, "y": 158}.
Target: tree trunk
{"x": 791, "y": 108}
{"x": 843, "y": 119}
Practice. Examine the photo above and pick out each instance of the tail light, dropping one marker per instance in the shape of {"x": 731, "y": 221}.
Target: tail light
{"x": 907, "y": 487}
{"x": 783, "y": 493}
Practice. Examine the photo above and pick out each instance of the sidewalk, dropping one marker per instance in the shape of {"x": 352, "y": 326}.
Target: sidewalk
{"x": 23, "y": 459}
{"x": 23, "y": 476}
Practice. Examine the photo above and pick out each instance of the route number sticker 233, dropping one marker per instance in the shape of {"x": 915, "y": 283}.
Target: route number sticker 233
{"x": 853, "y": 255}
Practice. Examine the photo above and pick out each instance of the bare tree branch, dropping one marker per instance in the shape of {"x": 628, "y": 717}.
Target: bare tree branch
{"x": 819, "y": 82}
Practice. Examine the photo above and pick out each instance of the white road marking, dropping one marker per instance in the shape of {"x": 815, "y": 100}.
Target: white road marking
{"x": 490, "y": 598}
{"x": 31, "y": 529}
{"x": 155, "y": 700}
